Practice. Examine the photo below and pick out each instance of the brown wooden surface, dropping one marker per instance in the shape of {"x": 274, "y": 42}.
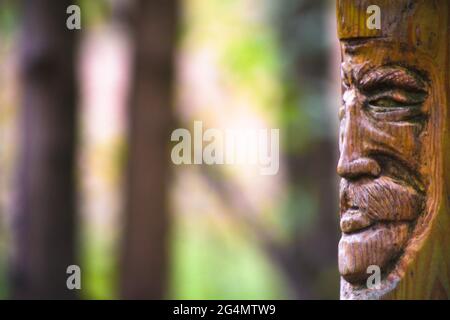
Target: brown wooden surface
{"x": 394, "y": 159}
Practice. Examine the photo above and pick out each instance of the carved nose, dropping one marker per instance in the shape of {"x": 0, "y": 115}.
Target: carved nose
{"x": 354, "y": 148}
{"x": 358, "y": 168}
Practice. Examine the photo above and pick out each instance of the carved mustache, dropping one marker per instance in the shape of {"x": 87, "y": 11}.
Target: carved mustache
{"x": 365, "y": 202}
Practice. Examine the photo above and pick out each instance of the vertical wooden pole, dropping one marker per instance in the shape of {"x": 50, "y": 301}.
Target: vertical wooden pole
{"x": 394, "y": 149}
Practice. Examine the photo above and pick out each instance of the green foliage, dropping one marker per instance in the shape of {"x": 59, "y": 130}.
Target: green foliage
{"x": 212, "y": 262}
{"x": 297, "y": 211}
{"x": 3, "y": 273}
{"x": 303, "y": 49}
{"x": 271, "y": 59}
{"x": 94, "y": 12}
{"x": 98, "y": 267}
{"x": 8, "y": 18}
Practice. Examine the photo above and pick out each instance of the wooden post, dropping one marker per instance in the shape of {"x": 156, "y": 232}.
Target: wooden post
{"x": 394, "y": 149}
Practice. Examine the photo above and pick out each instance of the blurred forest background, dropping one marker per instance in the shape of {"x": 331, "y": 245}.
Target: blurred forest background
{"x": 85, "y": 170}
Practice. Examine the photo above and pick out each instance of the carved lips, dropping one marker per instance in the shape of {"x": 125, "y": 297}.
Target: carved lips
{"x": 375, "y": 219}
{"x": 378, "y": 245}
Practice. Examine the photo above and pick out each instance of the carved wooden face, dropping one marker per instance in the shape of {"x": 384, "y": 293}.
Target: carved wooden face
{"x": 385, "y": 131}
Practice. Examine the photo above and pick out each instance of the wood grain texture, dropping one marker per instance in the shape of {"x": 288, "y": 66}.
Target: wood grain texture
{"x": 394, "y": 141}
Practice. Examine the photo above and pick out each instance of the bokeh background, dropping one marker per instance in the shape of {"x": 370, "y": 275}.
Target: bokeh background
{"x": 111, "y": 93}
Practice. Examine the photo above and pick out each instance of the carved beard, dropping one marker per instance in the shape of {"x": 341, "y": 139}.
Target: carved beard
{"x": 376, "y": 216}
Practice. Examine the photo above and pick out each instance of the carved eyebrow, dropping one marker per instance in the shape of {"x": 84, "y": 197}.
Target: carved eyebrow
{"x": 393, "y": 77}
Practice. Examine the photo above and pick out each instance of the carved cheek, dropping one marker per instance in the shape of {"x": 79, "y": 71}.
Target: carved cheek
{"x": 400, "y": 140}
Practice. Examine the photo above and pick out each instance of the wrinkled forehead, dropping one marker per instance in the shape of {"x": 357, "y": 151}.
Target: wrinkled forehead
{"x": 364, "y": 56}
{"x": 361, "y": 55}
{"x": 417, "y": 31}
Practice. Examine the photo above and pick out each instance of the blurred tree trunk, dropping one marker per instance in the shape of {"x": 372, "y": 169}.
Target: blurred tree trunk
{"x": 145, "y": 252}
{"x": 43, "y": 217}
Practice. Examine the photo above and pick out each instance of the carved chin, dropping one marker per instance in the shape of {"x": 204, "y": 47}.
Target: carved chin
{"x": 379, "y": 245}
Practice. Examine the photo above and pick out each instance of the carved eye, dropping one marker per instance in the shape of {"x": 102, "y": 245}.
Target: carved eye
{"x": 396, "y": 105}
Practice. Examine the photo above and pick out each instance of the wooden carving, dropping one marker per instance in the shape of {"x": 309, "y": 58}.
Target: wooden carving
{"x": 394, "y": 163}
